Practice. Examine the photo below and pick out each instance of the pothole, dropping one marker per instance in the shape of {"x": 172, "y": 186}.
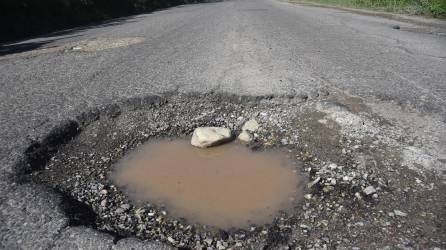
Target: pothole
{"x": 350, "y": 178}
{"x": 227, "y": 186}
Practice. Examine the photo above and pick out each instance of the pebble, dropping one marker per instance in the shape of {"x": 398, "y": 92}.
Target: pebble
{"x": 399, "y": 213}
{"x": 220, "y": 245}
{"x": 369, "y": 190}
{"x": 308, "y": 196}
{"x": 332, "y": 166}
{"x": 347, "y": 178}
{"x": 245, "y": 137}
{"x": 208, "y": 241}
{"x": 125, "y": 206}
{"x": 314, "y": 182}
{"x": 104, "y": 203}
{"x": 328, "y": 189}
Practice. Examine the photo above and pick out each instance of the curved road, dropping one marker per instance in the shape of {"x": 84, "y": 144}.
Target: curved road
{"x": 246, "y": 47}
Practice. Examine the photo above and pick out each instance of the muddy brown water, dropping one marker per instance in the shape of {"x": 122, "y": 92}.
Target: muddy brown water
{"x": 227, "y": 186}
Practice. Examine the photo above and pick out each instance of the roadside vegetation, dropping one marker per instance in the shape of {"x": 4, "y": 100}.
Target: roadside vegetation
{"x": 433, "y": 8}
{"x": 22, "y": 18}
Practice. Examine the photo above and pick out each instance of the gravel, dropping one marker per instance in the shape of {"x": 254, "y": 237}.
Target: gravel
{"x": 351, "y": 179}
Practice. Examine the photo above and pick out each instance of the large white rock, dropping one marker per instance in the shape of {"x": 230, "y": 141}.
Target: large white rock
{"x": 251, "y": 126}
{"x": 204, "y": 137}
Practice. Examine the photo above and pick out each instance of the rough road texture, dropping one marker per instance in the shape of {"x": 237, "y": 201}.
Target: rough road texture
{"x": 242, "y": 47}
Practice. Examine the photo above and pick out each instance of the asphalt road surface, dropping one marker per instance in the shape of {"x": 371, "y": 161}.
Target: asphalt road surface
{"x": 242, "y": 47}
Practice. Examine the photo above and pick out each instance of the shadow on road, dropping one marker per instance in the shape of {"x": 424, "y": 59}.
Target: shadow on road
{"x": 40, "y": 41}
{"x": 36, "y": 42}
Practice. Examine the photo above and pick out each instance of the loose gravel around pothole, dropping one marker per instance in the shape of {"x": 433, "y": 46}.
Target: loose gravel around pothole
{"x": 358, "y": 192}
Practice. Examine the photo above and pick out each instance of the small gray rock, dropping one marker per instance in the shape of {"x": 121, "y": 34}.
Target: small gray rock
{"x": 316, "y": 181}
{"x": 399, "y": 213}
{"x": 369, "y": 190}
{"x": 125, "y": 207}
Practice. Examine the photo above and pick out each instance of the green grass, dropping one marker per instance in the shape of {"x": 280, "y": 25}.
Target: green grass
{"x": 433, "y": 8}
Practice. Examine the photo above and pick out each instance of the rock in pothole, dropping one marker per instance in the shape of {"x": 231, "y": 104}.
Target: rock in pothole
{"x": 205, "y": 137}
{"x": 251, "y": 126}
{"x": 245, "y": 137}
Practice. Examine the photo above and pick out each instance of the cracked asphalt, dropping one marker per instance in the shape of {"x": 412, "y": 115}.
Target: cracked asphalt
{"x": 241, "y": 47}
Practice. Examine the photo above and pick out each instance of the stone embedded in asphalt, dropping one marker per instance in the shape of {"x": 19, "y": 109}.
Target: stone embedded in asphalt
{"x": 332, "y": 166}
{"x": 125, "y": 207}
{"x": 251, "y": 126}
{"x": 171, "y": 240}
{"x": 208, "y": 241}
{"x": 244, "y": 136}
{"x": 316, "y": 181}
{"x": 399, "y": 213}
{"x": 220, "y": 245}
{"x": 204, "y": 137}
{"x": 76, "y": 48}
{"x": 369, "y": 190}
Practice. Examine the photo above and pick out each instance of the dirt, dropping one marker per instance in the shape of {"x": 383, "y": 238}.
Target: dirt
{"x": 359, "y": 193}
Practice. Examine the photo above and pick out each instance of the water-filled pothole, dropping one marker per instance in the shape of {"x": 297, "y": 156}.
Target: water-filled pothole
{"x": 352, "y": 179}
{"x": 226, "y": 186}
{"x": 81, "y": 166}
